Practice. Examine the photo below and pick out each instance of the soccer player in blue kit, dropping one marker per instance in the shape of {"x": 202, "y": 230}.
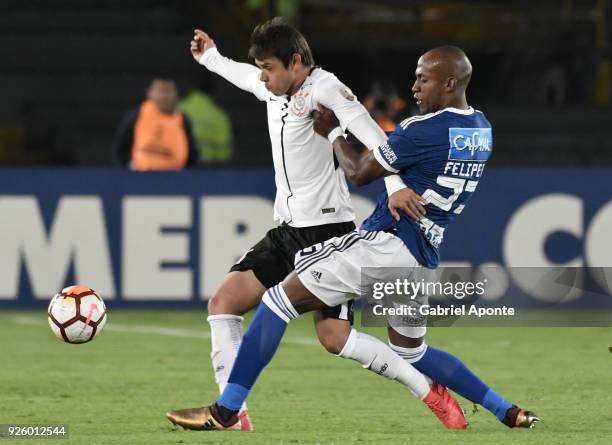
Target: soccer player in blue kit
{"x": 441, "y": 156}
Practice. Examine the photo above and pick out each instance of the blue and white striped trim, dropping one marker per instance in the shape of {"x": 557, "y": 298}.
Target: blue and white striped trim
{"x": 276, "y": 299}
{"x": 347, "y": 241}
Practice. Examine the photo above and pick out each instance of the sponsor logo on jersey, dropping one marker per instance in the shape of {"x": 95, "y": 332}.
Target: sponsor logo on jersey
{"x": 470, "y": 144}
{"x": 347, "y": 93}
{"x": 388, "y": 153}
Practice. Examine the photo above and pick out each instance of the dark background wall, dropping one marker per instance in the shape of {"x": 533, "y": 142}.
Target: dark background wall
{"x": 69, "y": 68}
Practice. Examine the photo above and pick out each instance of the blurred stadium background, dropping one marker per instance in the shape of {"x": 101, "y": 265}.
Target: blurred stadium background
{"x": 69, "y": 69}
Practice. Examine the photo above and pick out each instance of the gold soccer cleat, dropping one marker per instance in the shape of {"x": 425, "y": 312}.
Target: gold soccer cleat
{"x": 205, "y": 418}
{"x": 526, "y": 419}
{"x": 519, "y": 418}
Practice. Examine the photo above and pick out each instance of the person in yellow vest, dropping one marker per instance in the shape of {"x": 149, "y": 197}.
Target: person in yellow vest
{"x": 156, "y": 136}
{"x": 211, "y": 125}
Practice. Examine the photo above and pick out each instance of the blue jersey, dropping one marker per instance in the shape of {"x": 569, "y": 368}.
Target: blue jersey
{"x": 441, "y": 156}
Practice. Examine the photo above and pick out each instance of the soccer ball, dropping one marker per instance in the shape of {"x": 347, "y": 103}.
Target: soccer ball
{"x": 76, "y": 314}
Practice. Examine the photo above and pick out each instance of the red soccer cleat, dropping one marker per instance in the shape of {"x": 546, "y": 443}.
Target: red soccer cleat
{"x": 445, "y": 407}
{"x": 245, "y": 421}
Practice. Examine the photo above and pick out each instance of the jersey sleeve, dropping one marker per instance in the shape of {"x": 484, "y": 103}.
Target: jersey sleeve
{"x": 336, "y": 96}
{"x": 401, "y": 150}
{"x": 243, "y": 75}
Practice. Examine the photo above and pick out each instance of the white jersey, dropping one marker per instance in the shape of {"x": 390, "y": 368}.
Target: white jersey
{"x": 311, "y": 189}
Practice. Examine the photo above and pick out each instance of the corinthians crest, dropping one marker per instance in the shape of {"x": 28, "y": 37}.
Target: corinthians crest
{"x": 299, "y": 104}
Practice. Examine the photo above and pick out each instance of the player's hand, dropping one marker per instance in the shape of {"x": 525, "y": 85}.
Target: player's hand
{"x": 408, "y": 201}
{"x": 200, "y": 44}
{"x": 324, "y": 120}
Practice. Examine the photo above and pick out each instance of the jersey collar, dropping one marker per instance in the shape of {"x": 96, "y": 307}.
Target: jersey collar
{"x": 469, "y": 111}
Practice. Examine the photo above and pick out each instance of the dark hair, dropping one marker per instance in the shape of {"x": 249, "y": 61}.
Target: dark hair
{"x": 276, "y": 38}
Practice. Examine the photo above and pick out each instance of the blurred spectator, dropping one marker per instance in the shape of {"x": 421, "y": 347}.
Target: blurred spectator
{"x": 212, "y": 128}
{"x": 156, "y": 136}
{"x": 385, "y": 105}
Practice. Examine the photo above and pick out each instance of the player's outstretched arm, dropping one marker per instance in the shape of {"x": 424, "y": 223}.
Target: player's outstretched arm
{"x": 360, "y": 168}
{"x": 243, "y": 75}
{"x": 201, "y": 43}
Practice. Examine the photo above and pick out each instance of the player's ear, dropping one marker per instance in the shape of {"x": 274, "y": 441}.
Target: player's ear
{"x": 295, "y": 60}
{"x": 451, "y": 84}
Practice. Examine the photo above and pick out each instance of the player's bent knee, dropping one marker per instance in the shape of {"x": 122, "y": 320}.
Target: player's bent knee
{"x": 220, "y": 303}
{"x": 236, "y": 295}
{"x": 332, "y": 333}
{"x": 332, "y": 342}
{"x": 215, "y": 305}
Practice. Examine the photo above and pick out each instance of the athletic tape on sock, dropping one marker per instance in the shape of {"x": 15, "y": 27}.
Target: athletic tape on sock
{"x": 410, "y": 355}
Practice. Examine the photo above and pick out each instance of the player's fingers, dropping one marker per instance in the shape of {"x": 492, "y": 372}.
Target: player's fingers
{"x": 418, "y": 206}
{"x": 407, "y": 211}
{"x": 418, "y": 210}
{"x": 412, "y": 212}
{"x": 394, "y": 213}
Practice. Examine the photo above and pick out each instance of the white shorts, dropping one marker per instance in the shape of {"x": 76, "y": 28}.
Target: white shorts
{"x": 334, "y": 270}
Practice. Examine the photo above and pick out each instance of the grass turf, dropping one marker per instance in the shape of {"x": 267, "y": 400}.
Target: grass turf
{"x": 116, "y": 389}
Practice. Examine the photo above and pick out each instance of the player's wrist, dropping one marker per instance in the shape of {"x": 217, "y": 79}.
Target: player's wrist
{"x": 207, "y": 54}
{"x": 394, "y": 183}
{"x": 335, "y": 134}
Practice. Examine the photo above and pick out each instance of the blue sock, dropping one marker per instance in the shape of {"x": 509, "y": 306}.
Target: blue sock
{"x": 258, "y": 346}
{"x": 452, "y": 373}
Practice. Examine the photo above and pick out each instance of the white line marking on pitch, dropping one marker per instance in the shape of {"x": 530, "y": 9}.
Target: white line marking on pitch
{"x": 161, "y": 330}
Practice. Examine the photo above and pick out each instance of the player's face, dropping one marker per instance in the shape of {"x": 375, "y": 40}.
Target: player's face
{"x": 275, "y": 76}
{"x": 428, "y": 87}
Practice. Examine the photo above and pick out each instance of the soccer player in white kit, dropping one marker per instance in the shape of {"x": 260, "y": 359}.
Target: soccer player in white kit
{"x": 312, "y": 204}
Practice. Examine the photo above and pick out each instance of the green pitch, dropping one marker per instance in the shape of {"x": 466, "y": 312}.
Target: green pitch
{"x": 116, "y": 389}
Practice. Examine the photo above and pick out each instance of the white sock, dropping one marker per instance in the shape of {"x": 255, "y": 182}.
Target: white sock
{"x": 379, "y": 358}
{"x": 410, "y": 355}
{"x": 225, "y": 337}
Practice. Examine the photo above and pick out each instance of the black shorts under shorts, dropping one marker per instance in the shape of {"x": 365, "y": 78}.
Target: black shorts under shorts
{"x": 272, "y": 258}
